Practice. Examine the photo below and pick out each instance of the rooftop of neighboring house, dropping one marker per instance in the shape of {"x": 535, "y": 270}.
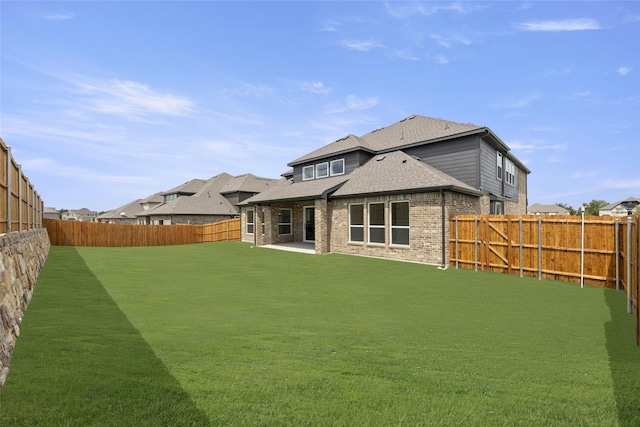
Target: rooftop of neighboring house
{"x": 628, "y": 203}
{"x": 538, "y": 208}
{"x": 194, "y": 197}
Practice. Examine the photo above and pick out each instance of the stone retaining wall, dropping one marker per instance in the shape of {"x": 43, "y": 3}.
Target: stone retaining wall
{"x": 22, "y": 256}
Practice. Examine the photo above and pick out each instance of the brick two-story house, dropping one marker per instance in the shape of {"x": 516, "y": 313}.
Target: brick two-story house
{"x": 390, "y": 192}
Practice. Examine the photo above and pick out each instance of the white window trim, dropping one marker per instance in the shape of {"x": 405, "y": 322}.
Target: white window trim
{"x": 318, "y": 176}
{"x": 499, "y": 165}
{"x": 393, "y": 227}
{"x": 331, "y": 167}
{"x": 313, "y": 169}
{"x": 290, "y": 224}
{"x": 356, "y": 225}
{"x": 252, "y": 223}
{"x": 369, "y": 226}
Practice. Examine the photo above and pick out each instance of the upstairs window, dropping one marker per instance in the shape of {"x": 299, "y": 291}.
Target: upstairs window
{"x": 510, "y": 172}
{"x": 307, "y": 173}
{"x": 322, "y": 170}
{"x": 337, "y": 167}
{"x": 499, "y": 165}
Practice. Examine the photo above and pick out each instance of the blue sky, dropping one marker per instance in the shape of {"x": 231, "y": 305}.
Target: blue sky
{"x": 103, "y": 103}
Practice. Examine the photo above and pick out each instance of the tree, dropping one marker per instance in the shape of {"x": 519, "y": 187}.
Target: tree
{"x": 593, "y": 207}
{"x": 567, "y": 207}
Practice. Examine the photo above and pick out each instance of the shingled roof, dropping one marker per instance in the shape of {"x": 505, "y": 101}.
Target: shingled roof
{"x": 411, "y": 130}
{"x": 305, "y": 190}
{"x": 206, "y": 201}
{"x": 398, "y": 172}
{"x": 247, "y": 183}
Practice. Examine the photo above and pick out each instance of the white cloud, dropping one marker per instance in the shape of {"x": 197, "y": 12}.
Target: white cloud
{"x": 454, "y": 39}
{"x": 361, "y": 45}
{"x": 441, "y": 59}
{"x": 250, "y": 89}
{"x": 55, "y": 168}
{"x": 318, "y": 88}
{"x": 404, "y": 10}
{"x": 525, "y": 6}
{"x": 562, "y": 25}
{"x": 623, "y": 71}
{"x": 330, "y": 26}
{"x": 515, "y": 103}
{"x": 353, "y": 103}
{"x": 359, "y": 104}
{"x": 61, "y": 15}
{"x": 404, "y": 54}
{"x": 536, "y": 145}
{"x": 133, "y": 99}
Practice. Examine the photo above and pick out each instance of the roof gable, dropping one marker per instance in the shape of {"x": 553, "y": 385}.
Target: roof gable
{"x": 340, "y": 146}
{"x": 247, "y": 183}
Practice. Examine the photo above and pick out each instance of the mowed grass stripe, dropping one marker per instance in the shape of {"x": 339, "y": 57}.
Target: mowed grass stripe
{"x": 79, "y": 362}
{"x": 264, "y": 337}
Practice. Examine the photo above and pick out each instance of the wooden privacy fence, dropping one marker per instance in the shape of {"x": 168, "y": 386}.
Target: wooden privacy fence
{"x": 598, "y": 251}
{"x": 78, "y": 233}
{"x": 20, "y": 205}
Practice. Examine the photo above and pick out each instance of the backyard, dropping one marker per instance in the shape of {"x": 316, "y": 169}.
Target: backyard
{"x": 227, "y": 334}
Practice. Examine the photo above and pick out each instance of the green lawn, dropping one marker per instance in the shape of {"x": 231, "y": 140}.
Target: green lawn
{"x": 226, "y": 334}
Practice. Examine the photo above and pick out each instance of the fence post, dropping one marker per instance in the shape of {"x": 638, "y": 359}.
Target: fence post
{"x": 582, "y": 251}
{"x": 9, "y": 165}
{"x": 20, "y": 198}
{"x": 617, "y": 231}
{"x": 456, "y": 243}
{"x": 539, "y": 248}
{"x": 520, "y": 236}
{"x": 476, "y": 244}
{"x": 629, "y": 304}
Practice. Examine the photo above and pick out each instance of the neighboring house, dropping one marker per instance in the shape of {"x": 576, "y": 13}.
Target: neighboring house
{"x": 50, "y": 213}
{"x": 390, "y": 192}
{"x": 196, "y": 201}
{"x": 539, "y": 209}
{"x": 213, "y": 200}
{"x": 85, "y": 215}
{"x": 622, "y": 208}
{"x": 123, "y": 215}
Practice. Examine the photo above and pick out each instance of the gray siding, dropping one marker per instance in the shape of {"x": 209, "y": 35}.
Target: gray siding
{"x": 456, "y": 158}
{"x": 489, "y": 181}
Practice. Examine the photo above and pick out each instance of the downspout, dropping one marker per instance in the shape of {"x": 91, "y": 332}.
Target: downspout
{"x": 442, "y": 197}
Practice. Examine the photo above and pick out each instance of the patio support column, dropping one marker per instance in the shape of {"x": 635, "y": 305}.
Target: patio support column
{"x": 322, "y": 226}
{"x": 266, "y": 215}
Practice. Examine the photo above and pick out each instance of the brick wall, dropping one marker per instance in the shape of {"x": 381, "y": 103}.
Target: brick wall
{"x": 425, "y": 217}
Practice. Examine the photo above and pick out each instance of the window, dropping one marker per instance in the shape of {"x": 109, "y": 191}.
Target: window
{"x": 376, "y": 223}
{"x": 499, "y": 166}
{"x": 510, "y": 172}
{"x": 250, "y": 221}
{"x": 356, "y": 223}
{"x": 496, "y": 207}
{"x": 322, "y": 170}
{"x": 284, "y": 221}
{"x": 400, "y": 223}
{"x": 337, "y": 167}
{"x": 307, "y": 173}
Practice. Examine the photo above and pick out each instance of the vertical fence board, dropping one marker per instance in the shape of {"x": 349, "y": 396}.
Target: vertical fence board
{"x": 78, "y": 233}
